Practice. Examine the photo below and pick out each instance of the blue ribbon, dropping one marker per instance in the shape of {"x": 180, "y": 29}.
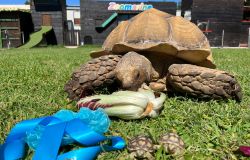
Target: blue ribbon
{"x": 50, "y": 141}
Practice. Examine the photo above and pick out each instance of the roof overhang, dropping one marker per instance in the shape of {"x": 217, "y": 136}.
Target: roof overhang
{"x": 23, "y": 8}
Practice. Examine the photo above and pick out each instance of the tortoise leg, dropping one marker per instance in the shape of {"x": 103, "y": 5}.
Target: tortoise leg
{"x": 132, "y": 156}
{"x": 149, "y": 156}
{"x": 204, "y": 83}
{"x": 159, "y": 85}
{"x": 146, "y": 155}
{"x": 95, "y": 73}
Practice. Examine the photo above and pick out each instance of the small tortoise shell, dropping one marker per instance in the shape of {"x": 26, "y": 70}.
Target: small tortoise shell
{"x": 172, "y": 143}
{"x": 141, "y": 143}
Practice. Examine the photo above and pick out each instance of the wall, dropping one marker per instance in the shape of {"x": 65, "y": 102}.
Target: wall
{"x": 223, "y": 15}
{"x": 94, "y": 13}
{"x": 58, "y": 19}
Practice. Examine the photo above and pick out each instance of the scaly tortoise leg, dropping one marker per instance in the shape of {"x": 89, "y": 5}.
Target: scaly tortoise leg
{"x": 204, "y": 83}
{"x": 95, "y": 73}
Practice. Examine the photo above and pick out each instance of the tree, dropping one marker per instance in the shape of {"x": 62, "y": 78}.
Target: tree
{"x": 247, "y": 2}
{"x": 27, "y": 2}
{"x": 179, "y": 5}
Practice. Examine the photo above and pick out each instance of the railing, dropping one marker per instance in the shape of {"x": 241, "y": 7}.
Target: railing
{"x": 72, "y": 37}
{"x": 8, "y": 20}
{"x": 8, "y": 33}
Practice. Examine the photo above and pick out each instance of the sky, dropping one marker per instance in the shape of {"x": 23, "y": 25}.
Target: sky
{"x": 69, "y": 2}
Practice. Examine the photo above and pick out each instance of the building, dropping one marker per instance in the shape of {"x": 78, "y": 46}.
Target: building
{"x": 245, "y": 26}
{"x": 50, "y": 13}
{"x": 74, "y": 25}
{"x": 74, "y": 15}
{"x": 100, "y": 17}
{"x": 221, "y": 20}
{"x": 15, "y": 25}
{"x": 225, "y": 22}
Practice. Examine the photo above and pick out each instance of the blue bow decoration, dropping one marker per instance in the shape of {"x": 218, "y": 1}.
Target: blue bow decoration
{"x": 55, "y": 131}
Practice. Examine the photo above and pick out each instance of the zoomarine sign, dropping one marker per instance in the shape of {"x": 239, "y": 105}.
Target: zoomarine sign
{"x": 129, "y": 7}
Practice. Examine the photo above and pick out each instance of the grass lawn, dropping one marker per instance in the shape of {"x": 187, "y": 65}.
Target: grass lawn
{"x": 32, "y": 82}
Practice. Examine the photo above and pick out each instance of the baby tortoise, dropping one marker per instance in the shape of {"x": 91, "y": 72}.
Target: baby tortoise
{"x": 172, "y": 143}
{"x": 142, "y": 147}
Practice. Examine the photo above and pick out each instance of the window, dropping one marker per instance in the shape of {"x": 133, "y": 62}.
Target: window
{"x": 88, "y": 40}
{"x": 77, "y": 21}
{"x": 246, "y": 11}
{"x": 246, "y": 14}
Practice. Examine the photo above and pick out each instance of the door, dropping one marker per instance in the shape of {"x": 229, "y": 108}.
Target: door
{"x": 46, "y": 20}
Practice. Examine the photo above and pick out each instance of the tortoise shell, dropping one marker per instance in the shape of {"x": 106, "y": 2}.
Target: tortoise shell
{"x": 172, "y": 143}
{"x": 141, "y": 143}
{"x": 154, "y": 31}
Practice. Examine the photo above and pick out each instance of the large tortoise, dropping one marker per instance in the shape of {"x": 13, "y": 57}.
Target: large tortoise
{"x": 142, "y": 49}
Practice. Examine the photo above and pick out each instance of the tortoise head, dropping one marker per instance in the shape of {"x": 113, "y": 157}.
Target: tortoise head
{"x": 133, "y": 70}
